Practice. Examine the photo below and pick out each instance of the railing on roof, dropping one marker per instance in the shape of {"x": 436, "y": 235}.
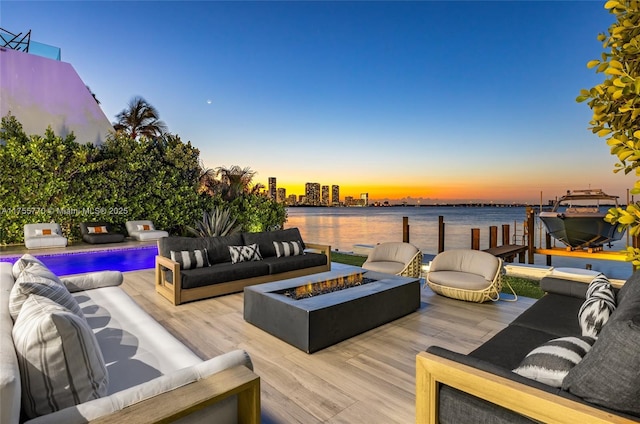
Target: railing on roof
{"x": 23, "y": 43}
{"x": 15, "y": 41}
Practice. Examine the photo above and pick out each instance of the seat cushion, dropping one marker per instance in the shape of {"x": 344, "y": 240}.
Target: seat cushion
{"x": 386, "y": 267}
{"x": 221, "y": 273}
{"x": 509, "y": 346}
{"x": 61, "y": 364}
{"x": 459, "y": 280}
{"x": 103, "y": 238}
{"x": 292, "y": 263}
{"x": 553, "y": 314}
{"x": 135, "y": 347}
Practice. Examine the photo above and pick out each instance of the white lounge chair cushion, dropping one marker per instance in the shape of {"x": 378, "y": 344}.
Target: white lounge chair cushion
{"x": 386, "y": 267}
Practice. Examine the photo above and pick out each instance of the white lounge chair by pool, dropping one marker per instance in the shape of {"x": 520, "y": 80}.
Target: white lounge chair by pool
{"x": 144, "y": 230}
{"x": 42, "y": 235}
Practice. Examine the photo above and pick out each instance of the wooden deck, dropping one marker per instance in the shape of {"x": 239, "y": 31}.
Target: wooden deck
{"x": 369, "y": 378}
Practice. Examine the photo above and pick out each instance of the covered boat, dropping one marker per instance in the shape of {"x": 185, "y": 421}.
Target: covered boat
{"x": 577, "y": 219}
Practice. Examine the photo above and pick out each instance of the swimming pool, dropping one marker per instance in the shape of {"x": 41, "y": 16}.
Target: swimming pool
{"x": 104, "y": 260}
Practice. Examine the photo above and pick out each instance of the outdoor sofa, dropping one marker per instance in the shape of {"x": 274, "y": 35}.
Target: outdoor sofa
{"x": 603, "y": 387}
{"x": 99, "y": 233}
{"x": 80, "y": 349}
{"x": 193, "y": 268}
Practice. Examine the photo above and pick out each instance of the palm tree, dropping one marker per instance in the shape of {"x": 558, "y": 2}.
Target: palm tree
{"x": 229, "y": 183}
{"x": 140, "y": 119}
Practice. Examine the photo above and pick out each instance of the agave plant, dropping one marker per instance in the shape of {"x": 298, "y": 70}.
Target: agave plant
{"x": 217, "y": 222}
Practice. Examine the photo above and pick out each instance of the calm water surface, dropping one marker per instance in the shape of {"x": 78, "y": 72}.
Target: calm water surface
{"x": 341, "y": 228}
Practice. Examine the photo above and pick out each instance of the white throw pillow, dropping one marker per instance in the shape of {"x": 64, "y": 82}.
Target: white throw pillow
{"x": 60, "y": 362}
{"x": 97, "y": 230}
{"x": 189, "y": 259}
{"x": 287, "y": 248}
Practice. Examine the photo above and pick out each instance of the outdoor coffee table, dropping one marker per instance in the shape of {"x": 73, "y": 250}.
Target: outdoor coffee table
{"x": 313, "y": 323}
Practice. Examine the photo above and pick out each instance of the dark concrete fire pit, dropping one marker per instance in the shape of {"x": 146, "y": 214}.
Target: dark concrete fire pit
{"x": 319, "y": 321}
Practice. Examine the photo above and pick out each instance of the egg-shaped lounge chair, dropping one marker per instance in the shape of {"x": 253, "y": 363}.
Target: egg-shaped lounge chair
{"x": 395, "y": 258}
{"x": 465, "y": 274}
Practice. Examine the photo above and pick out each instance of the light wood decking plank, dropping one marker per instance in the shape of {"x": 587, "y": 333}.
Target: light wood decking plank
{"x": 367, "y": 378}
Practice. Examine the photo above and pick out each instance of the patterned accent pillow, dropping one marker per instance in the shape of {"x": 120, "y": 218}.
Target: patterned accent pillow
{"x": 550, "y": 362}
{"x": 597, "y": 308}
{"x": 45, "y": 232}
{"x": 35, "y": 265}
{"x": 29, "y": 284}
{"x": 189, "y": 259}
{"x": 287, "y": 248}
{"x": 97, "y": 230}
{"x": 247, "y": 253}
{"x": 60, "y": 362}
{"x": 145, "y": 227}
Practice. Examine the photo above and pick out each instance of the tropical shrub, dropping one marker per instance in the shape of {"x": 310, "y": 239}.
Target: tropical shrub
{"x": 616, "y": 105}
{"x": 217, "y": 222}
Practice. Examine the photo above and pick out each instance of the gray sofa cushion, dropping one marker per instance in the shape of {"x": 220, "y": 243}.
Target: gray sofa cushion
{"x": 509, "y": 347}
{"x": 609, "y": 375}
{"x": 265, "y": 239}
{"x": 565, "y": 287}
{"x": 290, "y": 263}
{"x": 553, "y": 314}
{"x": 221, "y": 273}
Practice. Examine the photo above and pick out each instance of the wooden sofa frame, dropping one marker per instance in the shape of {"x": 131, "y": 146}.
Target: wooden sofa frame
{"x": 185, "y": 400}
{"x": 176, "y": 294}
{"x": 432, "y": 370}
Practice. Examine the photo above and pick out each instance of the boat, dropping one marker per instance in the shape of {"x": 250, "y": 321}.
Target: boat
{"x": 577, "y": 219}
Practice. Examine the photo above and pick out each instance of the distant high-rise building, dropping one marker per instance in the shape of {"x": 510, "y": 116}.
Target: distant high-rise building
{"x": 272, "y": 188}
{"x": 292, "y": 200}
{"x": 348, "y": 201}
{"x": 312, "y": 194}
{"x": 281, "y": 196}
{"x": 324, "y": 200}
{"x": 364, "y": 199}
{"x": 335, "y": 195}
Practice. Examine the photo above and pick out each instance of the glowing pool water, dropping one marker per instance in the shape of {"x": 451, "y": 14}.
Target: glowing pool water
{"x": 104, "y": 260}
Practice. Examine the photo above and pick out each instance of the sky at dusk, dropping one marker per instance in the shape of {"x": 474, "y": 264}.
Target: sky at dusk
{"x": 433, "y": 101}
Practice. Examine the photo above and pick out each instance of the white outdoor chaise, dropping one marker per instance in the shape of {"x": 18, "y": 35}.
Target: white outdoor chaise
{"x": 395, "y": 258}
{"x": 144, "y": 230}
{"x": 43, "y": 235}
{"x": 466, "y": 274}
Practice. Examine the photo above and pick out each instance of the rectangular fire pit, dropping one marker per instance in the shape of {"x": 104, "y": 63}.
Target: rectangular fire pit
{"x": 313, "y": 323}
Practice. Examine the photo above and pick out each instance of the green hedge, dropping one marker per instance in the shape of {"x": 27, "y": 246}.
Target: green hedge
{"x": 50, "y": 178}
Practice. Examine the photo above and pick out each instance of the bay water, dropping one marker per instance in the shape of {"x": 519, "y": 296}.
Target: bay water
{"x": 342, "y": 228}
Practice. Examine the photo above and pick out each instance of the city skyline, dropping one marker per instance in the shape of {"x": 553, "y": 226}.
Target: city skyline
{"x": 430, "y": 102}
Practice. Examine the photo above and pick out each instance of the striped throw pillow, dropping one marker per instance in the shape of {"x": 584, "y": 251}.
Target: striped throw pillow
{"x": 597, "y": 308}
{"x": 247, "y": 253}
{"x": 550, "y": 362}
{"x": 60, "y": 362}
{"x": 287, "y": 248}
{"x": 190, "y": 259}
{"x": 29, "y": 284}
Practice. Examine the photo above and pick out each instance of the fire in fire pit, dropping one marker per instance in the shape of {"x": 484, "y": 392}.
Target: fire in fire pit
{"x": 327, "y": 286}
